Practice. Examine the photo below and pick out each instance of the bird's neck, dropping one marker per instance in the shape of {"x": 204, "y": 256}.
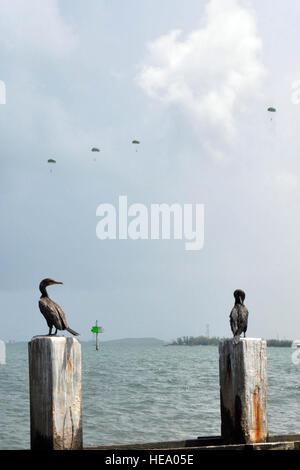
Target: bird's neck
{"x": 43, "y": 292}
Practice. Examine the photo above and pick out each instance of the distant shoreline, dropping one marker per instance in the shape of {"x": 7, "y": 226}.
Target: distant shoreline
{"x": 181, "y": 341}
{"x": 214, "y": 341}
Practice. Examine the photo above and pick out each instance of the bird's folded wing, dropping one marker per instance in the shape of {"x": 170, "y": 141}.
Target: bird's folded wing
{"x": 53, "y": 313}
{"x": 234, "y": 320}
{"x": 62, "y": 315}
{"x": 49, "y": 312}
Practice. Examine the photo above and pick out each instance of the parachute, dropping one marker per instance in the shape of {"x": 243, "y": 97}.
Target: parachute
{"x": 271, "y": 110}
{"x": 51, "y": 160}
{"x": 95, "y": 149}
{"x": 136, "y": 142}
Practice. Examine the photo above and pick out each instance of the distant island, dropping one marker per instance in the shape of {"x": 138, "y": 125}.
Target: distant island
{"x": 281, "y": 343}
{"x": 195, "y": 341}
{"x": 135, "y": 342}
{"x": 214, "y": 341}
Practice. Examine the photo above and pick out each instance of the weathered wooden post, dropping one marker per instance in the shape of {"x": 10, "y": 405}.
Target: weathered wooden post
{"x": 243, "y": 390}
{"x": 55, "y": 393}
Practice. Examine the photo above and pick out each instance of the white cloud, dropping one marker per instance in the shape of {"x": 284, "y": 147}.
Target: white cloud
{"x": 282, "y": 181}
{"x": 35, "y": 26}
{"x": 210, "y": 70}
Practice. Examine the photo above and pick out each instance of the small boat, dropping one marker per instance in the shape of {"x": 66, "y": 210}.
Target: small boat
{"x": 296, "y": 344}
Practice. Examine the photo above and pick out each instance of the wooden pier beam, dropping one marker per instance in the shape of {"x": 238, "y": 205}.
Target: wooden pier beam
{"x": 243, "y": 390}
{"x": 55, "y": 393}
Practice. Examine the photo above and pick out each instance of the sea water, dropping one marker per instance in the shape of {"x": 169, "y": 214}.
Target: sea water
{"x": 142, "y": 393}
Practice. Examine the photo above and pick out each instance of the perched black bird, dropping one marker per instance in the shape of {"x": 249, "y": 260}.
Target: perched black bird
{"x": 53, "y": 313}
{"x": 239, "y": 316}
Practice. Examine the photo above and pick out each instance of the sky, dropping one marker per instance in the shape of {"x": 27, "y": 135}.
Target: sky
{"x": 191, "y": 81}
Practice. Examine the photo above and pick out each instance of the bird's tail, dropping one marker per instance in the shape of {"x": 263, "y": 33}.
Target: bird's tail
{"x": 236, "y": 339}
{"x": 72, "y": 331}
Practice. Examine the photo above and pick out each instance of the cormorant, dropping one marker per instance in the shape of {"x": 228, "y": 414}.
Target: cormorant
{"x": 52, "y": 312}
{"x": 239, "y": 315}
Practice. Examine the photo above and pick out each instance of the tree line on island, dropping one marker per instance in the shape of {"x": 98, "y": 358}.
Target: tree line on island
{"x": 214, "y": 341}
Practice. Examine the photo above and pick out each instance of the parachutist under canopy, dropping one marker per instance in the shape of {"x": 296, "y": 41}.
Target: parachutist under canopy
{"x": 52, "y": 312}
{"x": 239, "y": 315}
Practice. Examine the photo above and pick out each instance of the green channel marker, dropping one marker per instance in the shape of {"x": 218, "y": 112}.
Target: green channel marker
{"x": 97, "y": 329}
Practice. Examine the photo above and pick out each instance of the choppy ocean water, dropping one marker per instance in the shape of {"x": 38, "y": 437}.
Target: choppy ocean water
{"x": 143, "y": 394}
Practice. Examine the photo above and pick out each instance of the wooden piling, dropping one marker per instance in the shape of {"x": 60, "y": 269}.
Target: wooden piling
{"x": 55, "y": 393}
{"x": 243, "y": 390}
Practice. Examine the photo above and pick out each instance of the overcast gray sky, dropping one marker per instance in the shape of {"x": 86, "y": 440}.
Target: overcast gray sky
{"x": 192, "y": 81}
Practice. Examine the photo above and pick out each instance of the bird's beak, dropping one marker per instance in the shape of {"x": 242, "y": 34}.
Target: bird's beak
{"x": 55, "y": 282}
{"x": 241, "y": 300}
